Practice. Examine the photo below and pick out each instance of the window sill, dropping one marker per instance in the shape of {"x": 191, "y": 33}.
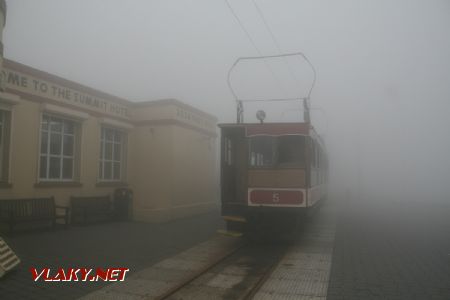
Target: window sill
{"x": 5, "y": 185}
{"x": 111, "y": 184}
{"x": 55, "y": 184}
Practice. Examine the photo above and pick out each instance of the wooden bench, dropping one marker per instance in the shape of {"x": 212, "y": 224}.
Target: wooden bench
{"x": 14, "y": 211}
{"x": 89, "y": 208}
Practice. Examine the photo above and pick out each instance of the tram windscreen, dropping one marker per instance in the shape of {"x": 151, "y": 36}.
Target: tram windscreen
{"x": 291, "y": 151}
{"x": 282, "y": 151}
{"x": 262, "y": 151}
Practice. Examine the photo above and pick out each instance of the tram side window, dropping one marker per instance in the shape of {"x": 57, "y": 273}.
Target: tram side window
{"x": 320, "y": 165}
{"x": 228, "y": 151}
{"x": 262, "y": 151}
{"x": 319, "y": 157}
{"x": 291, "y": 151}
{"x": 313, "y": 153}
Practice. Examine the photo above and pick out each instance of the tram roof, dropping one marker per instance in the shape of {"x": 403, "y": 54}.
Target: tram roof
{"x": 252, "y": 129}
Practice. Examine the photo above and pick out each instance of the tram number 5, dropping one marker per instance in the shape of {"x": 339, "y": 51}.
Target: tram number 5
{"x": 275, "y": 197}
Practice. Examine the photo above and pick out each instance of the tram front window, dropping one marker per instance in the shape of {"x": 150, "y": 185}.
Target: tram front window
{"x": 262, "y": 151}
{"x": 283, "y": 151}
{"x": 291, "y": 151}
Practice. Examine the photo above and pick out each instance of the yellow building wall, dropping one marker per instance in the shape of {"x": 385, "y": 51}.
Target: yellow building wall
{"x": 24, "y": 157}
{"x": 195, "y": 175}
{"x": 24, "y": 150}
{"x": 173, "y": 166}
{"x": 152, "y": 171}
{"x": 170, "y": 152}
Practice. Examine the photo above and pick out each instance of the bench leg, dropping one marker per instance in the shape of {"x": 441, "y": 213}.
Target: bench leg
{"x": 66, "y": 220}
{"x": 11, "y": 227}
{"x": 85, "y": 216}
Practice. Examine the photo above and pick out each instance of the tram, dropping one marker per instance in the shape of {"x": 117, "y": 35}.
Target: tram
{"x": 272, "y": 174}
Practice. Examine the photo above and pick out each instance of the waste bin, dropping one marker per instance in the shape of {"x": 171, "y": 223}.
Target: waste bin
{"x": 122, "y": 203}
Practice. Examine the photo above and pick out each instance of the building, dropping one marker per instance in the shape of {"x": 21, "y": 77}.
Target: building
{"x": 5, "y": 98}
{"x": 63, "y": 139}
{"x": 59, "y": 138}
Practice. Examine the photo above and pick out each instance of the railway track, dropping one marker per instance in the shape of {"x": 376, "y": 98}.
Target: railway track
{"x": 236, "y": 275}
{"x": 227, "y": 268}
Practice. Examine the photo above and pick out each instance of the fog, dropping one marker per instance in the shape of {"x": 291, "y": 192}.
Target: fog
{"x": 381, "y": 99}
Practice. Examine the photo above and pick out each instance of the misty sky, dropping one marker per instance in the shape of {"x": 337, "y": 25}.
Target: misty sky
{"x": 383, "y": 68}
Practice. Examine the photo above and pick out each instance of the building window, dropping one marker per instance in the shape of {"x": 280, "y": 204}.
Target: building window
{"x": 5, "y": 121}
{"x": 57, "y": 158}
{"x": 111, "y": 154}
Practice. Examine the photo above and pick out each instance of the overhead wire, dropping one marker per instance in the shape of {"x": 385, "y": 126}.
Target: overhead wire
{"x": 252, "y": 41}
{"x": 283, "y": 56}
{"x": 298, "y": 54}
{"x": 277, "y": 44}
{"x": 272, "y": 35}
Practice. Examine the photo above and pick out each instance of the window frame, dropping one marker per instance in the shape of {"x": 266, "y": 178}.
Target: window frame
{"x": 275, "y": 153}
{"x": 102, "y": 150}
{"x": 257, "y": 157}
{"x": 75, "y": 157}
{"x": 292, "y": 164}
{"x": 228, "y": 151}
{"x": 5, "y": 144}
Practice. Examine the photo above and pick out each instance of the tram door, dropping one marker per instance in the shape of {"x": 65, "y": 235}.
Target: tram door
{"x": 234, "y": 167}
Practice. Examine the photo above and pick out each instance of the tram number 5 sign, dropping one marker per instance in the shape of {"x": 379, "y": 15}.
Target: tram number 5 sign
{"x": 275, "y": 197}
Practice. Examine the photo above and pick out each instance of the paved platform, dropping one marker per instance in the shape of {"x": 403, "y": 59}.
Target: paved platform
{"x": 304, "y": 271}
{"x": 160, "y": 278}
{"x": 118, "y": 244}
{"x": 392, "y": 250}
{"x": 378, "y": 250}
{"x": 301, "y": 274}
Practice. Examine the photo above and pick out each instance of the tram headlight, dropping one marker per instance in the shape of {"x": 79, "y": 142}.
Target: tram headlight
{"x": 261, "y": 115}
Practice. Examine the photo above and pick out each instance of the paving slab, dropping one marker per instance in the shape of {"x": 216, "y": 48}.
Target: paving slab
{"x": 158, "y": 279}
{"x": 302, "y": 273}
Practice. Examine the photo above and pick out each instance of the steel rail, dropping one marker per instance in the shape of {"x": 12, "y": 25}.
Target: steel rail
{"x": 250, "y": 294}
{"x": 199, "y": 273}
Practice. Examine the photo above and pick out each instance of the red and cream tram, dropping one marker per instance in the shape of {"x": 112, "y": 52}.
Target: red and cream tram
{"x": 271, "y": 174}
